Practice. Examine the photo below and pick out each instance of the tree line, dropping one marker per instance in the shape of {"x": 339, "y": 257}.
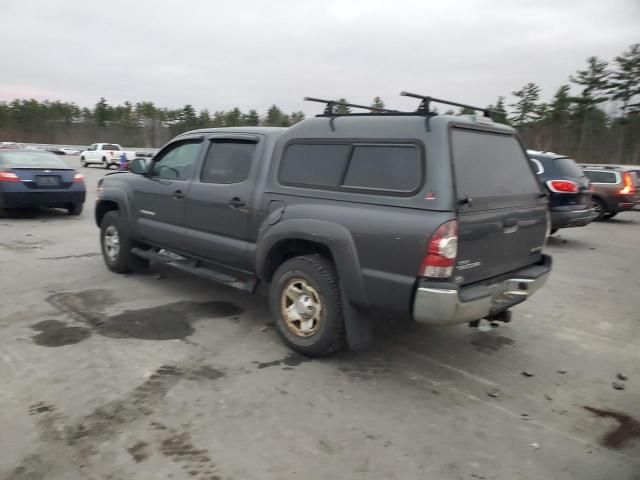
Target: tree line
{"x": 599, "y": 123}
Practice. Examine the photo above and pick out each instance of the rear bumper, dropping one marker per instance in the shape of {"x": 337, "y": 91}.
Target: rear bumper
{"x": 571, "y": 218}
{"x": 41, "y": 199}
{"x": 449, "y": 304}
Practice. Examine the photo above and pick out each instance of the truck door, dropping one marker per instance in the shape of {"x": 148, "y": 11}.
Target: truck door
{"x": 219, "y": 204}
{"x": 159, "y": 196}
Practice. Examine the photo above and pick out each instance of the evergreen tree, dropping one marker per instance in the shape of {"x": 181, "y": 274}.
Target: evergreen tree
{"x": 377, "y": 103}
{"x": 274, "y": 117}
{"x": 560, "y": 106}
{"x": 296, "y": 117}
{"x": 499, "y": 111}
{"x": 624, "y": 84}
{"x": 101, "y": 113}
{"x": 595, "y": 82}
{"x": 342, "y": 109}
{"x": 233, "y": 118}
{"x": 251, "y": 119}
{"x": 218, "y": 119}
{"x": 526, "y": 108}
{"x": 204, "y": 118}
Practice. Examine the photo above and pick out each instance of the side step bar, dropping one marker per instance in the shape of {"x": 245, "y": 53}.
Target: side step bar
{"x": 195, "y": 267}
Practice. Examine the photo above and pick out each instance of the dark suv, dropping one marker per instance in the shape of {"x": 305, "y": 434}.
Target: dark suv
{"x": 436, "y": 217}
{"x": 567, "y": 187}
{"x": 615, "y": 188}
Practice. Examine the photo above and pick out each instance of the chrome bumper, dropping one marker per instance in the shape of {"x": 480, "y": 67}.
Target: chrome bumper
{"x": 451, "y": 305}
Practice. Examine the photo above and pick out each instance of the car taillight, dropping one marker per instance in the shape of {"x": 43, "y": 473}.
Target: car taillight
{"x": 628, "y": 184}
{"x": 563, "y": 186}
{"x": 442, "y": 251}
{"x": 78, "y": 177}
{"x": 9, "y": 177}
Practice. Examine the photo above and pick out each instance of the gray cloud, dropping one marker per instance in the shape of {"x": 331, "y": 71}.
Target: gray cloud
{"x": 254, "y": 53}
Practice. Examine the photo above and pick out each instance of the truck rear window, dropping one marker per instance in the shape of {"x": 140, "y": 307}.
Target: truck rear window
{"x": 110, "y": 147}
{"x": 490, "y": 165}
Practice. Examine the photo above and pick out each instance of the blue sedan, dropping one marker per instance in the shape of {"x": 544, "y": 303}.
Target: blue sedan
{"x": 34, "y": 178}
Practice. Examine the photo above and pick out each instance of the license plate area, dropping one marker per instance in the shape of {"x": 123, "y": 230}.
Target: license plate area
{"x": 48, "y": 181}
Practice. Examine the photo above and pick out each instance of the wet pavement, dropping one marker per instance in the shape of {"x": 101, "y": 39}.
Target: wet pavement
{"x": 160, "y": 375}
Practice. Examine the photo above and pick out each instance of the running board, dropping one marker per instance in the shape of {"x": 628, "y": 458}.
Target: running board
{"x": 195, "y": 267}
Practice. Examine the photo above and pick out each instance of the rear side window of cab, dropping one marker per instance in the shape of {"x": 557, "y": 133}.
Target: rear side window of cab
{"x": 375, "y": 168}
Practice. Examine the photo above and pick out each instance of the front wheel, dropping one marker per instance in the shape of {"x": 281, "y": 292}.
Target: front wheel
{"x": 105, "y": 164}
{"x": 116, "y": 245}
{"x": 305, "y": 301}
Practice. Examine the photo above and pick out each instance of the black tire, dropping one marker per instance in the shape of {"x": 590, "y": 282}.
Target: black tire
{"x": 320, "y": 274}
{"x": 553, "y": 231}
{"x": 123, "y": 261}
{"x": 83, "y": 162}
{"x": 600, "y": 209}
{"x": 609, "y": 215}
{"x": 75, "y": 208}
{"x": 105, "y": 164}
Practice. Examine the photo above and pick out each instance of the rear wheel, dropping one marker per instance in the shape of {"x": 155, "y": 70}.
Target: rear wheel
{"x": 105, "y": 163}
{"x": 75, "y": 208}
{"x": 607, "y": 216}
{"x": 83, "y": 162}
{"x": 116, "y": 245}
{"x": 305, "y": 301}
{"x": 599, "y": 208}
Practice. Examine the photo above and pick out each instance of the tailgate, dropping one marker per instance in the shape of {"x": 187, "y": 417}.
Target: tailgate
{"x": 502, "y": 214}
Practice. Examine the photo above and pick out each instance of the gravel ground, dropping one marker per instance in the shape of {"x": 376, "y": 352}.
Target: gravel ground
{"x": 159, "y": 375}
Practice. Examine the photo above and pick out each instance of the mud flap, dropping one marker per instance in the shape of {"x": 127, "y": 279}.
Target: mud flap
{"x": 357, "y": 325}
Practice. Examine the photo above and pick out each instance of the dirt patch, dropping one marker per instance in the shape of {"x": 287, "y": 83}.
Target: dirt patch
{"x": 205, "y": 372}
{"x": 65, "y": 257}
{"x": 195, "y": 461}
{"x": 138, "y": 451}
{"x": 628, "y": 428}
{"x": 40, "y": 407}
{"x": 489, "y": 344}
{"x": 57, "y": 334}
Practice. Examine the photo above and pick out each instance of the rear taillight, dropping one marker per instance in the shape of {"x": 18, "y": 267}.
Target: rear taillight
{"x": 628, "y": 184}
{"x": 9, "y": 177}
{"x": 78, "y": 177}
{"x": 442, "y": 251}
{"x": 563, "y": 186}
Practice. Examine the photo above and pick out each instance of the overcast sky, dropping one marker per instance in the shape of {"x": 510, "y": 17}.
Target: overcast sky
{"x": 253, "y": 53}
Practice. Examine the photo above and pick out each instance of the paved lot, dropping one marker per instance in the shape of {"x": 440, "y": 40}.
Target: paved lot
{"x": 160, "y": 375}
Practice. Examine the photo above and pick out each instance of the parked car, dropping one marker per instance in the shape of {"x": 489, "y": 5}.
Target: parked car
{"x": 7, "y": 145}
{"x": 105, "y": 154}
{"x": 341, "y": 215}
{"x": 567, "y": 187}
{"x": 54, "y": 150}
{"x": 35, "y": 178}
{"x": 614, "y": 188}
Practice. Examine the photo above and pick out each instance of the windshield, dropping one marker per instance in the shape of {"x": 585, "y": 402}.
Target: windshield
{"x": 34, "y": 159}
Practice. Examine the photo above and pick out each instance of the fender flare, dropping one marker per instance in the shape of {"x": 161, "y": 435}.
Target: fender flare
{"x": 116, "y": 196}
{"x": 332, "y": 235}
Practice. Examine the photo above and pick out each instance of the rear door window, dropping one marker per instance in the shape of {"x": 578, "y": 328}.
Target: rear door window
{"x": 490, "y": 167}
{"x": 228, "y": 162}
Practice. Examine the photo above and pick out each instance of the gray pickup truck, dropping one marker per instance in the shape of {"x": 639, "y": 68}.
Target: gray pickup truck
{"x": 435, "y": 217}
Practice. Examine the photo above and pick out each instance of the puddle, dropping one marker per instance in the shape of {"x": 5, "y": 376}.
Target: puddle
{"x": 163, "y": 322}
{"x": 291, "y": 360}
{"x": 487, "y": 343}
{"x": 57, "y": 334}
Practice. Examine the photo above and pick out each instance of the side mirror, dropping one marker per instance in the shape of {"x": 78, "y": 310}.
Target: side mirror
{"x": 138, "y": 166}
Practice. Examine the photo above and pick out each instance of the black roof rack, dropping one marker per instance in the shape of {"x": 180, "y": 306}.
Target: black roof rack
{"x": 424, "y": 104}
{"x": 330, "y": 104}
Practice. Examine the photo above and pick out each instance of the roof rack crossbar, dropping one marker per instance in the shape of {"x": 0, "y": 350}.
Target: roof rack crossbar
{"x": 330, "y": 104}
{"x": 424, "y": 104}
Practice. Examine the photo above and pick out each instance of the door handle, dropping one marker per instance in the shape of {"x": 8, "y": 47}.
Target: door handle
{"x": 178, "y": 195}
{"x": 509, "y": 222}
{"x": 236, "y": 202}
